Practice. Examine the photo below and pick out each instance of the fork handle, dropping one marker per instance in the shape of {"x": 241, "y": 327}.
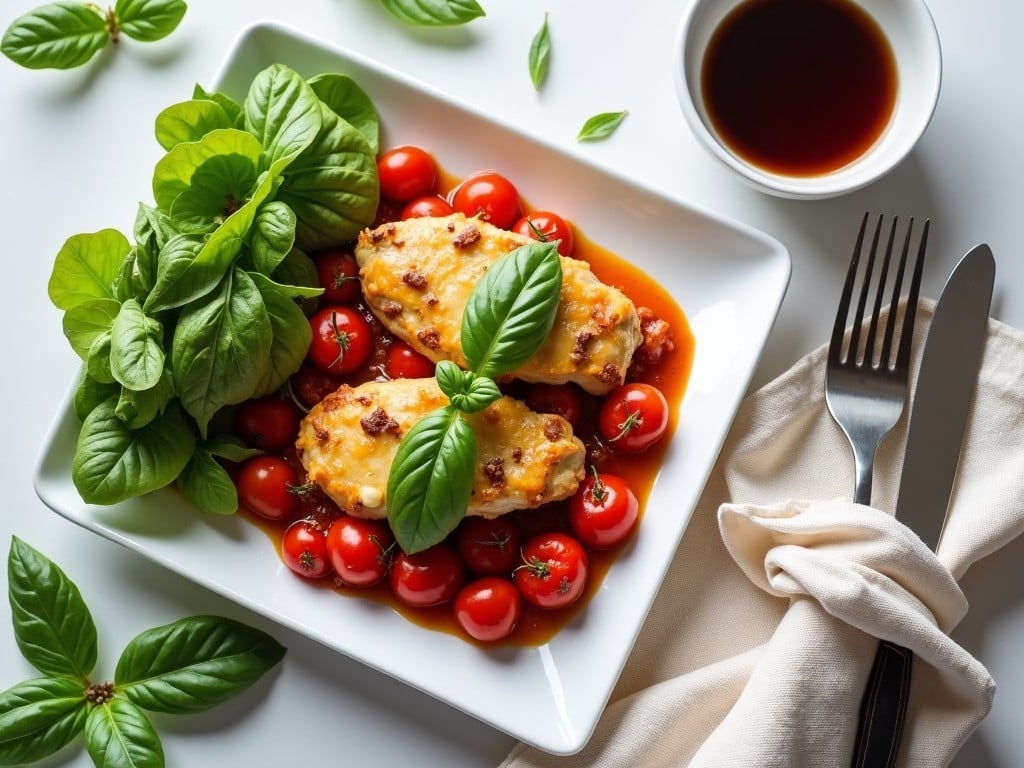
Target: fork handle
{"x": 883, "y": 710}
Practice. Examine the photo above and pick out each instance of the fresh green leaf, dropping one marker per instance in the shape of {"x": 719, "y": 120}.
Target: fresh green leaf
{"x": 431, "y": 479}
{"x": 231, "y": 107}
{"x": 273, "y": 235}
{"x": 216, "y": 190}
{"x": 86, "y": 266}
{"x": 290, "y": 331}
{"x": 540, "y": 53}
{"x": 119, "y": 735}
{"x": 230, "y": 448}
{"x": 97, "y": 361}
{"x": 52, "y": 624}
{"x": 194, "y": 663}
{"x": 149, "y": 20}
{"x": 434, "y": 13}
{"x": 91, "y": 393}
{"x": 297, "y": 269}
{"x": 189, "y": 121}
{"x": 57, "y": 35}
{"x": 174, "y": 261}
{"x": 348, "y": 101}
{"x": 173, "y": 172}
{"x": 207, "y": 484}
{"x": 282, "y": 112}
{"x": 138, "y": 408}
{"x": 113, "y": 463}
{"x": 86, "y": 322}
{"x": 39, "y": 717}
{"x": 136, "y": 348}
{"x": 512, "y": 309}
{"x": 600, "y": 126}
{"x": 467, "y": 392}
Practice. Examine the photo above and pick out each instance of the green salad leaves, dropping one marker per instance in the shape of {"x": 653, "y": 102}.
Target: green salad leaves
{"x": 187, "y": 666}
{"x": 201, "y": 308}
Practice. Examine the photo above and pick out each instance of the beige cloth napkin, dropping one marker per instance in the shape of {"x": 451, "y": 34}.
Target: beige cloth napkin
{"x": 758, "y": 646}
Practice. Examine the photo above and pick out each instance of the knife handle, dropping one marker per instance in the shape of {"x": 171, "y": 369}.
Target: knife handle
{"x": 883, "y": 710}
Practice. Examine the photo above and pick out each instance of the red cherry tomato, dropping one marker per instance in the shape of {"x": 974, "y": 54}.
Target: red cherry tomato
{"x": 338, "y": 274}
{"x": 553, "y": 572}
{"x": 310, "y": 385}
{"x": 404, "y": 362}
{"x": 488, "y": 609}
{"x": 633, "y": 417}
{"x": 304, "y": 549}
{"x": 603, "y": 511}
{"x": 489, "y": 547}
{"x": 547, "y": 227}
{"x": 490, "y": 194}
{"x": 406, "y": 172}
{"x": 428, "y": 205}
{"x": 561, "y": 399}
{"x": 359, "y": 550}
{"x": 266, "y": 486}
{"x": 268, "y": 423}
{"x": 427, "y": 578}
{"x": 342, "y": 340}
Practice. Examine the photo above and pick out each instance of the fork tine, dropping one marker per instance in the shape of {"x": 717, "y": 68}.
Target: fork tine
{"x": 839, "y": 328}
{"x": 869, "y": 345}
{"x": 858, "y": 320}
{"x": 910, "y": 313}
{"x": 890, "y": 326}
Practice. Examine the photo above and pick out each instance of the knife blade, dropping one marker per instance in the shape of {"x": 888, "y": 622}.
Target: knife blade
{"x": 942, "y": 400}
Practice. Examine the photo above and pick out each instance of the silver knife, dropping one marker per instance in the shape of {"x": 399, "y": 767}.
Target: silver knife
{"x": 938, "y": 418}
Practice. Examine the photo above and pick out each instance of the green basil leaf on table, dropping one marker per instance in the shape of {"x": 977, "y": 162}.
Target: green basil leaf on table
{"x": 342, "y": 95}
{"x": 290, "y": 331}
{"x": 40, "y": 716}
{"x": 282, "y": 113}
{"x": 467, "y": 392}
{"x": 52, "y": 624}
{"x": 434, "y": 13}
{"x": 57, "y": 35}
{"x": 149, "y": 20}
{"x": 193, "y": 664}
{"x": 207, "y": 484}
{"x": 431, "y": 479}
{"x": 272, "y": 236}
{"x": 512, "y": 309}
{"x": 85, "y": 322}
{"x": 540, "y": 53}
{"x": 231, "y": 108}
{"x": 86, "y": 266}
{"x": 601, "y": 126}
{"x": 136, "y": 348}
{"x": 113, "y": 463}
{"x": 173, "y": 172}
{"x": 138, "y": 408}
{"x": 119, "y": 735}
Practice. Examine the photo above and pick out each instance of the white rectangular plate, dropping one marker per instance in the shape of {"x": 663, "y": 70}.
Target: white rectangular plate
{"x": 729, "y": 279}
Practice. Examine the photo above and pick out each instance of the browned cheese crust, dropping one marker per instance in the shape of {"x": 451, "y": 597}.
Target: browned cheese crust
{"x": 348, "y": 441}
{"x": 417, "y": 276}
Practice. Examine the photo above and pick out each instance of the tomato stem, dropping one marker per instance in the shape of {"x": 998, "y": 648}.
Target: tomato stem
{"x": 597, "y": 490}
{"x": 633, "y": 420}
{"x": 341, "y": 338}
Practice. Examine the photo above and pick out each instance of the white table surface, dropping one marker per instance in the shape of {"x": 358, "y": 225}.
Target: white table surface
{"x": 78, "y": 154}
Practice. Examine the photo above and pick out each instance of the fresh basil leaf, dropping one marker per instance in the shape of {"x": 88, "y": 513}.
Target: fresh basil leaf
{"x": 540, "y": 53}
{"x": 332, "y": 186}
{"x": 91, "y": 393}
{"x": 52, "y": 623}
{"x": 230, "y": 448}
{"x": 221, "y": 348}
{"x": 57, "y": 35}
{"x": 86, "y": 266}
{"x": 173, "y": 262}
{"x": 290, "y": 330}
{"x": 136, "y": 348}
{"x": 189, "y": 121}
{"x": 138, "y": 408}
{"x": 467, "y": 392}
{"x": 149, "y": 20}
{"x": 347, "y": 100}
{"x": 97, "y": 361}
{"x": 216, "y": 190}
{"x": 193, "y": 664}
{"x": 431, "y": 479}
{"x": 173, "y": 172}
{"x": 282, "y": 112}
{"x": 600, "y": 126}
{"x": 207, "y": 484}
{"x": 39, "y": 717}
{"x": 86, "y": 322}
{"x": 512, "y": 309}
{"x": 434, "y": 13}
{"x": 119, "y": 735}
{"x": 113, "y": 463}
{"x": 273, "y": 235}
{"x": 297, "y": 269}
{"x": 231, "y": 107}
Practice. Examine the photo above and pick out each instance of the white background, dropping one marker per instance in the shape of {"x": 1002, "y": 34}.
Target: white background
{"x": 78, "y": 153}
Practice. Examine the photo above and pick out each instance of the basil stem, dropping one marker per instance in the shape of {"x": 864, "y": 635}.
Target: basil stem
{"x": 540, "y": 52}
{"x": 601, "y": 126}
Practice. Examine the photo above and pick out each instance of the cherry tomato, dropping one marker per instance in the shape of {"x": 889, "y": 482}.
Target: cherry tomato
{"x": 406, "y": 172}
{"x": 428, "y": 205}
{"x": 268, "y": 423}
{"x": 633, "y": 417}
{"x": 489, "y": 547}
{"x": 560, "y": 399}
{"x": 304, "y": 549}
{"x": 547, "y": 227}
{"x": 338, "y": 274}
{"x": 603, "y": 511}
{"x": 310, "y": 385}
{"x": 404, "y": 362}
{"x": 488, "y": 609}
{"x": 342, "y": 340}
{"x": 553, "y": 572}
{"x": 360, "y": 550}
{"x": 427, "y": 578}
{"x": 490, "y": 194}
{"x": 266, "y": 487}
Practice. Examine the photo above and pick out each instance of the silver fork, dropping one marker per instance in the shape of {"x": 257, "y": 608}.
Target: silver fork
{"x": 865, "y": 383}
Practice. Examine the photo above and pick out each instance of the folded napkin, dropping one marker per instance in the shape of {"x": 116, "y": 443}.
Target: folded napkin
{"x": 758, "y": 647}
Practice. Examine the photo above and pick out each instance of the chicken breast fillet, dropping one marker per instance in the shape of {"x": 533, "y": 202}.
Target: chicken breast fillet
{"x": 417, "y": 276}
{"x": 348, "y": 441}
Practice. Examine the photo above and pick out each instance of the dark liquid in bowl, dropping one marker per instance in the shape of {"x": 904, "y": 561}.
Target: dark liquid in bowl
{"x": 799, "y": 87}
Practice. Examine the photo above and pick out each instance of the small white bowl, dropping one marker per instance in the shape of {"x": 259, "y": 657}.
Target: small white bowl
{"x": 911, "y": 32}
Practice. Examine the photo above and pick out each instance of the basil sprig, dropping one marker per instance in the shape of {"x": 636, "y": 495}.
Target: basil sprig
{"x": 540, "y": 52}
{"x": 433, "y": 13}
{"x": 508, "y": 316}
{"x": 63, "y": 35}
{"x": 601, "y": 126}
{"x": 188, "y": 666}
